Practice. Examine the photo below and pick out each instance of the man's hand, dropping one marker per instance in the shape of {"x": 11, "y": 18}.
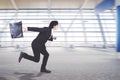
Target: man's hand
{"x": 24, "y": 29}
{"x": 54, "y": 38}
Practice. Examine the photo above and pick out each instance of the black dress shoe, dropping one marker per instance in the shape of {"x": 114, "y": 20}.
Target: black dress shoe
{"x": 20, "y": 57}
{"x": 45, "y": 71}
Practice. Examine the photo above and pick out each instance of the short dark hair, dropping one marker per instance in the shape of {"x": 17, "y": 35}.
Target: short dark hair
{"x": 52, "y": 24}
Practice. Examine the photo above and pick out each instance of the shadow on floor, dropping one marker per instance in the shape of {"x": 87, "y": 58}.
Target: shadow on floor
{"x": 3, "y": 78}
{"x": 28, "y": 76}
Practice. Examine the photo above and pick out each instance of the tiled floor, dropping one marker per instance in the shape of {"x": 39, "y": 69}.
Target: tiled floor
{"x": 65, "y": 63}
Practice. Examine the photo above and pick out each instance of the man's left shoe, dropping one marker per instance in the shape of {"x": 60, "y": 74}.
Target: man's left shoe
{"x": 20, "y": 57}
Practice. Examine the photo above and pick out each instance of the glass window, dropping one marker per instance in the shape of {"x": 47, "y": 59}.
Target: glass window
{"x": 75, "y": 26}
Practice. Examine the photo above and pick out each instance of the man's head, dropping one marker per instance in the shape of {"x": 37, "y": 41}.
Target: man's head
{"x": 53, "y": 25}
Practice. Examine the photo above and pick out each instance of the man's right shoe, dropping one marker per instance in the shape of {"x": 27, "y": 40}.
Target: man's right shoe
{"x": 45, "y": 71}
{"x": 20, "y": 57}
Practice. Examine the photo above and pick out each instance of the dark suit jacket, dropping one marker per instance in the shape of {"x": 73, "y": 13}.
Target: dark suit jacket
{"x": 43, "y": 36}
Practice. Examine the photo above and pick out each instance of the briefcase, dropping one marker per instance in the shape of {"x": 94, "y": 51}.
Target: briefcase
{"x": 16, "y": 30}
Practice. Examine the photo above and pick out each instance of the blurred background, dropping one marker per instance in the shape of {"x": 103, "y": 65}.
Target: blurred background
{"x": 79, "y": 23}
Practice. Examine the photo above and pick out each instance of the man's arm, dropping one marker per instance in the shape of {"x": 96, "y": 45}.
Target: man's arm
{"x": 36, "y": 29}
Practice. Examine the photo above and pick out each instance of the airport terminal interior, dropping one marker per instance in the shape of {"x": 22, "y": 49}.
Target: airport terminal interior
{"x": 87, "y": 45}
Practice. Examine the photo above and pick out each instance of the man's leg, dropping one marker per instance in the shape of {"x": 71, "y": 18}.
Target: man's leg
{"x": 34, "y": 58}
{"x": 45, "y": 59}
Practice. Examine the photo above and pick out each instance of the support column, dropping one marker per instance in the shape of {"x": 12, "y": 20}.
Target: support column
{"x": 118, "y": 29}
{"x": 102, "y": 31}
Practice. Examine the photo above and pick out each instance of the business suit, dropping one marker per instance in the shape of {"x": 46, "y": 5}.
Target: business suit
{"x": 38, "y": 45}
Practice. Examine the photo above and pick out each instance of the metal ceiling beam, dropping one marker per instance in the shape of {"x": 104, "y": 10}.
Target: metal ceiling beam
{"x": 49, "y": 6}
{"x": 16, "y": 8}
{"x": 85, "y": 2}
{"x": 14, "y": 4}
{"x": 83, "y": 24}
{"x": 50, "y": 14}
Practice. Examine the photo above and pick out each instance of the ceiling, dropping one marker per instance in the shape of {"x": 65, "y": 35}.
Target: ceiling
{"x": 10, "y": 4}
